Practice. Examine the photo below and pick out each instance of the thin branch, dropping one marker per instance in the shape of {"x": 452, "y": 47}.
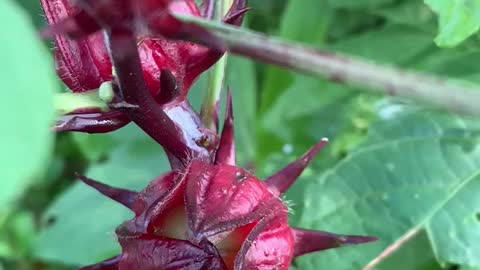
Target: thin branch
{"x": 454, "y": 96}
{"x": 392, "y": 248}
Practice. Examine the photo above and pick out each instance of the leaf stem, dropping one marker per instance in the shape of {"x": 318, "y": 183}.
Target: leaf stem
{"x": 392, "y": 248}
{"x": 451, "y": 95}
{"x": 216, "y": 77}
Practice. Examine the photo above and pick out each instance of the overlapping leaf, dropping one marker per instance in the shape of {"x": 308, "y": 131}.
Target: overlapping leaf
{"x": 415, "y": 171}
{"x": 457, "y": 20}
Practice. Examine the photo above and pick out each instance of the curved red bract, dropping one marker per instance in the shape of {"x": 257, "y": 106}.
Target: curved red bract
{"x": 83, "y": 63}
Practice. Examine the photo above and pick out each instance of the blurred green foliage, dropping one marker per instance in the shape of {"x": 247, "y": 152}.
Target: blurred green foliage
{"x": 391, "y": 167}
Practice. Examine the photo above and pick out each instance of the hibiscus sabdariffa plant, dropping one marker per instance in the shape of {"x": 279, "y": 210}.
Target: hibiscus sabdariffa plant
{"x": 206, "y": 213}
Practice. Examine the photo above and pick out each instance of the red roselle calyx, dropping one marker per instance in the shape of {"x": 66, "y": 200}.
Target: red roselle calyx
{"x": 152, "y": 74}
{"x": 215, "y": 217}
{"x": 82, "y": 58}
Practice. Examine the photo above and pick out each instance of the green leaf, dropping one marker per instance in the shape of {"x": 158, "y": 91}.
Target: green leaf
{"x": 457, "y": 20}
{"x": 382, "y": 45}
{"x": 409, "y": 12}
{"x": 87, "y": 219}
{"x": 16, "y": 236}
{"x": 415, "y": 170}
{"x": 312, "y": 108}
{"x": 98, "y": 146}
{"x": 26, "y": 104}
{"x": 304, "y": 21}
{"x": 242, "y": 81}
{"x": 310, "y": 96}
{"x": 66, "y": 103}
{"x": 367, "y": 4}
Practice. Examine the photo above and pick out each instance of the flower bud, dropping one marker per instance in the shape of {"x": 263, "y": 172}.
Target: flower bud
{"x": 82, "y": 64}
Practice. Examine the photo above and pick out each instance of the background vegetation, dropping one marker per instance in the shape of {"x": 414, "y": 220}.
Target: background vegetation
{"x": 394, "y": 170}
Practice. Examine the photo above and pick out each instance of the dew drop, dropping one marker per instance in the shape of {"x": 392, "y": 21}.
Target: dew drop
{"x": 342, "y": 239}
{"x": 385, "y": 196}
{"x": 287, "y": 148}
{"x": 416, "y": 196}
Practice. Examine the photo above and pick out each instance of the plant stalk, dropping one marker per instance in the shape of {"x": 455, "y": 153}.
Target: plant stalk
{"x": 182, "y": 139}
{"x": 216, "y": 77}
{"x": 454, "y": 96}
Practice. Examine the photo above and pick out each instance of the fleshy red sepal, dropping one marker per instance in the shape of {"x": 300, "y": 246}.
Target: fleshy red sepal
{"x": 91, "y": 122}
{"x": 148, "y": 252}
{"x": 226, "y": 149}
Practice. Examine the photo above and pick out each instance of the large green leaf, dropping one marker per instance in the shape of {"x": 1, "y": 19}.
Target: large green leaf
{"x": 87, "y": 219}
{"x": 304, "y": 21}
{"x": 415, "y": 170}
{"x": 26, "y": 110}
{"x": 457, "y": 20}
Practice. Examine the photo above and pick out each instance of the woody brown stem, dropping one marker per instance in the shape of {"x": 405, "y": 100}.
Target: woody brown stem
{"x": 454, "y": 96}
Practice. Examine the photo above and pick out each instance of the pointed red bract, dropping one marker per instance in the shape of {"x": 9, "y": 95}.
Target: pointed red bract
{"x": 92, "y": 122}
{"x": 122, "y": 196}
{"x": 280, "y": 182}
{"x": 226, "y": 149}
{"x": 307, "y": 241}
{"x": 236, "y": 12}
